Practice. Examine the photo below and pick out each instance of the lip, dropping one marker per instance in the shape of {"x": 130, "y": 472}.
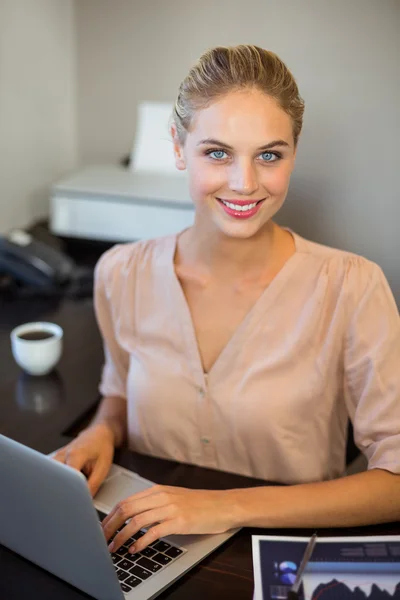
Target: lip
{"x": 242, "y": 214}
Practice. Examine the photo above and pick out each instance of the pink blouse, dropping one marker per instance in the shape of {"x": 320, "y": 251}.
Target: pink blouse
{"x": 321, "y": 344}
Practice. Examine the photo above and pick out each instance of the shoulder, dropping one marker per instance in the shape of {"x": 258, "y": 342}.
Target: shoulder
{"x": 122, "y": 260}
{"x": 353, "y": 271}
{"x": 350, "y": 279}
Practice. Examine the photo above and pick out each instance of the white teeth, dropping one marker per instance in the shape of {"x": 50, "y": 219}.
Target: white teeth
{"x": 237, "y": 207}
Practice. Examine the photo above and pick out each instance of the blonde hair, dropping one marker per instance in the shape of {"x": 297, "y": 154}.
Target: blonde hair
{"x": 224, "y": 69}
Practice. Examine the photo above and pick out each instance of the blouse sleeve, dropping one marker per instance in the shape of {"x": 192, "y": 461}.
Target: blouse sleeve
{"x": 372, "y": 368}
{"x": 107, "y": 290}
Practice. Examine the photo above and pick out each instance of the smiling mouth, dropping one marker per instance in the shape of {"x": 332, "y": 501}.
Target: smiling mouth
{"x": 240, "y": 205}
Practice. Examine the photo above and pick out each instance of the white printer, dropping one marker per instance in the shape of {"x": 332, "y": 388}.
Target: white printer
{"x": 115, "y": 203}
{"x": 112, "y": 203}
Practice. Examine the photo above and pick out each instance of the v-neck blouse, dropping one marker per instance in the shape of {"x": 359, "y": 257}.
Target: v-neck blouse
{"x": 321, "y": 345}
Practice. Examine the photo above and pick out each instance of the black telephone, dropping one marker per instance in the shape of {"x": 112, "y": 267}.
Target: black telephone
{"x": 36, "y": 265}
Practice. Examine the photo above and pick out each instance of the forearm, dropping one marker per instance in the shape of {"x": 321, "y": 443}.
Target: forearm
{"x": 113, "y": 414}
{"x": 365, "y": 498}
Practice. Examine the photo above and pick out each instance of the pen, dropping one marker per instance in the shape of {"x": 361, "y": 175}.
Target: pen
{"x": 294, "y": 590}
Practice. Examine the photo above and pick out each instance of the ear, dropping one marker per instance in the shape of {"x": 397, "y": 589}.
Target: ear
{"x": 178, "y": 149}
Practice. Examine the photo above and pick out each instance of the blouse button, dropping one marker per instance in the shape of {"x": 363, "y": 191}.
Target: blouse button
{"x": 201, "y": 393}
{"x": 205, "y": 440}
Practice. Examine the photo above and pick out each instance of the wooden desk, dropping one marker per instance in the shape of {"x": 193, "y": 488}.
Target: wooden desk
{"x": 39, "y": 412}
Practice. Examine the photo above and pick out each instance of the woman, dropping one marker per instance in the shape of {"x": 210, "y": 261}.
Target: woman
{"x": 237, "y": 344}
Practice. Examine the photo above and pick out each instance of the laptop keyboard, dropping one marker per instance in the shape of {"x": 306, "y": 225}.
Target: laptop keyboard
{"x": 133, "y": 569}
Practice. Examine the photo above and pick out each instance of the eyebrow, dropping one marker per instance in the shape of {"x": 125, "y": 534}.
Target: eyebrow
{"x": 228, "y": 147}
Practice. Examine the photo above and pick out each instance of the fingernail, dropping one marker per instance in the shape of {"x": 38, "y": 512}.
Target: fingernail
{"x": 132, "y": 549}
{"x": 111, "y": 547}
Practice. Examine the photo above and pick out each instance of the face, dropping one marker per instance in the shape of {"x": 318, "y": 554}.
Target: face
{"x": 239, "y": 155}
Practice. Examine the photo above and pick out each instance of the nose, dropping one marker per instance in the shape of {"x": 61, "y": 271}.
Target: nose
{"x": 243, "y": 178}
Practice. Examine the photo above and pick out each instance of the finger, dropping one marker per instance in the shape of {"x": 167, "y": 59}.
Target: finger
{"x": 115, "y": 519}
{"x": 59, "y": 456}
{"x": 88, "y": 467}
{"x": 97, "y": 475}
{"x": 145, "y": 519}
{"x": 131, "y": 509}
{"x": 75, "y": 459}
{"x": 158, "y": 531}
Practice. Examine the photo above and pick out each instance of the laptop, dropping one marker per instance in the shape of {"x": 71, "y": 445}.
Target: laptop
{"x": 53, "y": 521}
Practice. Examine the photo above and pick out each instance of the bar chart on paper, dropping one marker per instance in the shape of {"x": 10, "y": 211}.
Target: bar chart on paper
{"x": 350, "y": 568}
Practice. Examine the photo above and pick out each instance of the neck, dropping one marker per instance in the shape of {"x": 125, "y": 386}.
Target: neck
{"x": 225, "y": 257}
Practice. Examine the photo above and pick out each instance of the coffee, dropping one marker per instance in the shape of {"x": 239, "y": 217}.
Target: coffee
{"x": 36, "y": 335}
{"x": 37, "y": 346}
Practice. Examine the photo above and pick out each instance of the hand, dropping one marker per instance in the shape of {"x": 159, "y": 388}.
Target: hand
{"x": 169, "y": 510}
{"x": 92, "y": 453}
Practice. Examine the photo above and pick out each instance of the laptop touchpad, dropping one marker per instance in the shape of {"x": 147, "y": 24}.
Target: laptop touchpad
{"x": 119, "y": 486}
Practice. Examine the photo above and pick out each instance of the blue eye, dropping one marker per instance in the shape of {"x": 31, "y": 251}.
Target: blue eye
{"x": 217, "y": 153}
{"x": 271, "y": 156}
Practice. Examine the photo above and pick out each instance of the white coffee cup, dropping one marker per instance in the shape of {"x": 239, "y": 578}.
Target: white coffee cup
{"x": 37, "y": 356}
